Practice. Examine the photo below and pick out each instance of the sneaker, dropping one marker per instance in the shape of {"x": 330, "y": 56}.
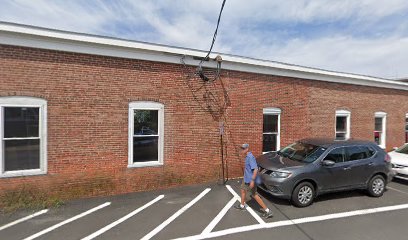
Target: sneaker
{"x": 238, "y": 206}
{"x": 267, "y": 215}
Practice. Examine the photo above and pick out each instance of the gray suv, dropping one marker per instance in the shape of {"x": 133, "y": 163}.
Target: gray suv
{"x": 310, "y": 167}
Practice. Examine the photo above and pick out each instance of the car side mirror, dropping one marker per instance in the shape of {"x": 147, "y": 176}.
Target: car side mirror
{"x": 328, "y": 163}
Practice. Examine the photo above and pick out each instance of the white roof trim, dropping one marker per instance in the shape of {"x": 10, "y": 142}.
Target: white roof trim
{"x": 35, "y": 37}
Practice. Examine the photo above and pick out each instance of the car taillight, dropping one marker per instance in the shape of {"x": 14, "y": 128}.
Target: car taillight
{"x": 387, "y": 158}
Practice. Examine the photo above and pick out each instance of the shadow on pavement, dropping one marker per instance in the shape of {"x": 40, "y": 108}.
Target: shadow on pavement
{"x": 320, "y": 198}
{"x": 400, "y": 181}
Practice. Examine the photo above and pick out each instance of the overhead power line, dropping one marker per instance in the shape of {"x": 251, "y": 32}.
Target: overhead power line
{"x": 215, "y": 33}
{"x": 199, "y": 71}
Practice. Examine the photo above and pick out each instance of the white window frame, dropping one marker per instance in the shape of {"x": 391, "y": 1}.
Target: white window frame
{"x": 273, "y": 111}
{"x": 347, "y": 114}
{"x": 146, "y": 105}
{"x": 383, "y": 138}
{"x": 18, "y": 101}
{"x": 406, "y": 131}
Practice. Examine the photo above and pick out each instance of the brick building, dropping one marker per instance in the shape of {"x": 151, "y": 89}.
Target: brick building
{"x": 86, "y": 115}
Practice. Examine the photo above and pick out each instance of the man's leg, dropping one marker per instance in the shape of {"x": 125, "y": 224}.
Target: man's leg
{"x": 241, "y": 205}
{"x": 243, "y": 195}
{"x": 268, "y": 213}
{"x": 259, "y": 200}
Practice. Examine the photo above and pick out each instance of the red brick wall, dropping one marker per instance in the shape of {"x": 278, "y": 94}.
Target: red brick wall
{"x": 88, "y": 98}
{"x": 362, "y": 102}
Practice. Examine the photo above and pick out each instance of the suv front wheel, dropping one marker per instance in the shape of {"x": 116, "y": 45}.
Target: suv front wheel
{"x": 303, "y": 194}
{"x": 376, "y": 186}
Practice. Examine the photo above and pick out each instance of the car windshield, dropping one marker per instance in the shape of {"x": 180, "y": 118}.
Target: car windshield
{"x": 403, "y": 149}
{"x": 302, "y": 152}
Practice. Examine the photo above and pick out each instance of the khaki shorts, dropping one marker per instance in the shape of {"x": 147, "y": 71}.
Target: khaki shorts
{"x": 249, "y": 191}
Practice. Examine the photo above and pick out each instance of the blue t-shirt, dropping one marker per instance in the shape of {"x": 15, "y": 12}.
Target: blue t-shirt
{"x": 250, "y": 166}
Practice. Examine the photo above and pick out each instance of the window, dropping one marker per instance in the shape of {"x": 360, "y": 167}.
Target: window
{"x": 23, "y": 126}
{"x": 379, "y": 128}
{"x": 342, "y": 125}
{"x": 271, "y": 129}
{"x": 336, "y": 155}
{"x": 359, "y": 152}
{"x": 146, "y": 125}
{"x": 406, "y": 128}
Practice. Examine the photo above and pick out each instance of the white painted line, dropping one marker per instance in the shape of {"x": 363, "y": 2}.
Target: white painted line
{"x": 250, "y": 210}
{"x": 296, "y": 221}
{"x": 175, "y": 215}
{"x": 67, "y": 221}
{"x": 219, "y": 216}
{"x": 108, "y": 227}
{"x": 224, "y": 232}
{"x": 397, "y": 190}
{"x": 23, "y": 219}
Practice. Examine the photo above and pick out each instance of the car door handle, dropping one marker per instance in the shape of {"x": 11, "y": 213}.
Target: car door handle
{"x": 346, "y": 168}
{"x": 370, "y": 164}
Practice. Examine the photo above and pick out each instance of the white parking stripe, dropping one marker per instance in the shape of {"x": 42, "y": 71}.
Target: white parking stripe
{"x": 295, "y": 221}
{"x": 67, "y": 221}
{"x": 23, "y": 219}
{"x": 106, "y": 228}
{"x": 175, "y": 215}
{"x": 219, "y": 216}
{"x": 250, "y": 210}
{"x": 397, "y": 190}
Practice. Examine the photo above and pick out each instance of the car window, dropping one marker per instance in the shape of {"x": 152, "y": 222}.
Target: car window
{"x": 336, "y": 155}
{"x": 370, "y": 152}
{"x": 300, "y": 151}
{"x": 357, "y": 153}
{"x": 315, "y": 155}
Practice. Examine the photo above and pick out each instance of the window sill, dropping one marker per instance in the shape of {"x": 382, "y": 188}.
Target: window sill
{"x": 22, "y": 173}
{"x": 145, "y": 164}
{"x": 270, "y": 152}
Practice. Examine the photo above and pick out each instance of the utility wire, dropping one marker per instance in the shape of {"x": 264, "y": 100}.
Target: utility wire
{"x": 199, "y": 68}
{"x": 208, "y": 96}
{"x": 215, "y": 34}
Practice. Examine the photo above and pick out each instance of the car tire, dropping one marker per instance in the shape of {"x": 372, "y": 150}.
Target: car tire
{"x": 376, "y": 186}
{"x": 303, "y": 194}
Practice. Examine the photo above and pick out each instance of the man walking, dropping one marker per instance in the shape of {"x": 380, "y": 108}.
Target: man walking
{"x": 248, "y": 183}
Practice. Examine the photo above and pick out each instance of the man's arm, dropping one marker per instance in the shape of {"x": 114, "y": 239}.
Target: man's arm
{"x": 254, "y": 167}
{"x": 255, "y": 172}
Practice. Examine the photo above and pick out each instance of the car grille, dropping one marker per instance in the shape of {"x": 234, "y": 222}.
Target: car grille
{"x": 398, "y": 166}
{"x": 264, "y": 171}
{"x": 270, "y": 188}
{"x": 274, "y": 189}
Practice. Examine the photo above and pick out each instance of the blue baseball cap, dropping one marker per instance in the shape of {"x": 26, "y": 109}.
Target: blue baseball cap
{"x": 245, "y": 146}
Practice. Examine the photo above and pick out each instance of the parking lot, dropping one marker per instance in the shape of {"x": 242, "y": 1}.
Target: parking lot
{"x": 206, "y": 211}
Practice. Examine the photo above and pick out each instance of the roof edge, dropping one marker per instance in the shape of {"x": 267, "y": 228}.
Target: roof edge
{"x": 44, "y": 38}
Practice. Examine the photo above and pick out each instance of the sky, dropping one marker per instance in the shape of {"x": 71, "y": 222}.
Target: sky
{"x": 368, "y": 37}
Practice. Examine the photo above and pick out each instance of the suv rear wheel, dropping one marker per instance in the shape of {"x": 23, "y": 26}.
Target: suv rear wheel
{"x": 303, "y": 194}
{"x": 376, "y": 186}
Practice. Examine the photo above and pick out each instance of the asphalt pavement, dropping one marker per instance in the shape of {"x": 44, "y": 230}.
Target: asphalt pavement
{"x": 206, "y": 212}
